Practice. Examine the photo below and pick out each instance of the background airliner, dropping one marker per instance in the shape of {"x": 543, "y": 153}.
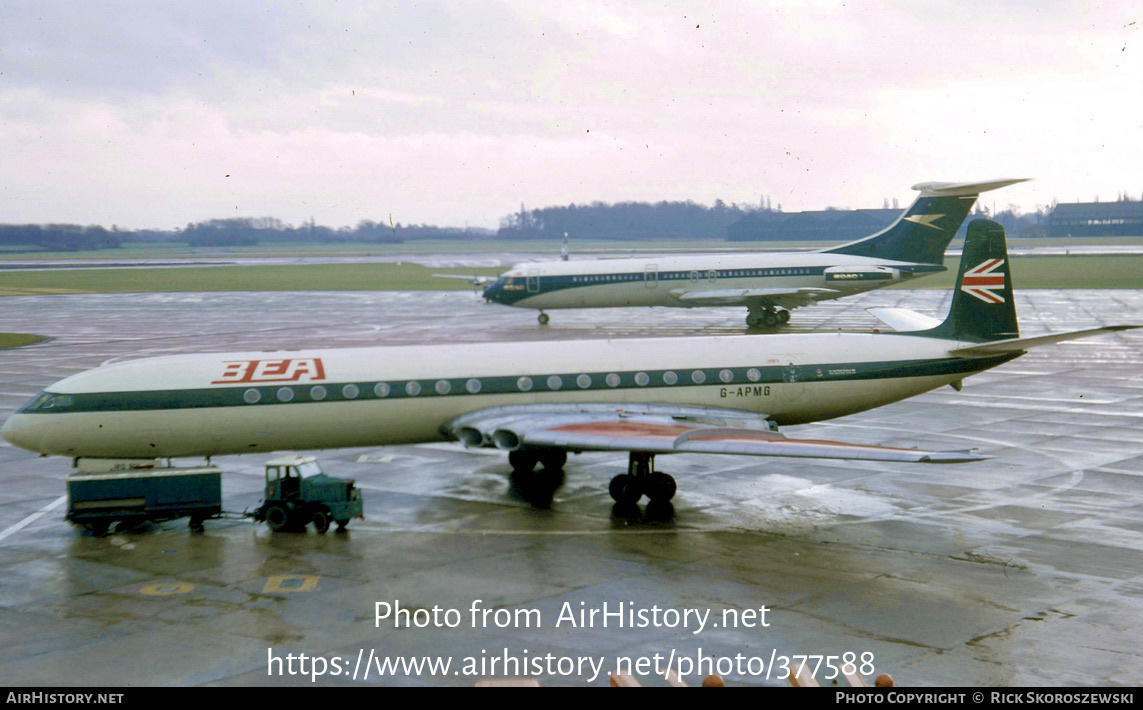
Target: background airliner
{"x": 724, "y": 395}
{"x": 769, "y": 285}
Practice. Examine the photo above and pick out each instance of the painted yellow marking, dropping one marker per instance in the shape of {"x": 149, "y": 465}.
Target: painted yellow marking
{"x": 291, "y": 583}
{"x": 166, "y": 589}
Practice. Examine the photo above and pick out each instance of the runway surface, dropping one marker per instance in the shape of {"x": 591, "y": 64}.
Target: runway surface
{"x": 1024, "y": 570}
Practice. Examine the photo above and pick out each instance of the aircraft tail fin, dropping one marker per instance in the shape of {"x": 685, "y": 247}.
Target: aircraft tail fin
{"x": 924, "y": 231}
{"x": 983, "y": 308}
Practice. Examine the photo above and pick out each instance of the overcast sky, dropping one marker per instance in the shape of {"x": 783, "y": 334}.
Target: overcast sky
{"x": 157, "y": 114}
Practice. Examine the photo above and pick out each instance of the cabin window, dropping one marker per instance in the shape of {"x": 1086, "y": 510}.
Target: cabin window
{"x": 524, "y": 384}
{"x": 554, "y": 382}
{"x": 642, "y": 379}
{"x": 670, "y": 378}
{"x": 473, "y": 386}
{"x": 382, "y": 389}
{"x": 251, "y": 396}
{"x": 317, "y": 393}
{"x": 413, "y": 388}
{"x": 442, "y": 387}
{"x": 285, "y": 394}
{"x": 726, "y": 375}
{"x": 753, "y": 374}
{"x": 698, "y": 377}
{"x": 350, "y": 391}
{"x": 612, "y": 380}
{"x": 583, "y": 381}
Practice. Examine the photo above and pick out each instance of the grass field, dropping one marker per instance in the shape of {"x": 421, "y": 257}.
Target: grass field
{"x": 1039, "y": 272}
{"x": 1032, "y": 272}
{"x": 311, "y": 277}
{"x": 15, "y": 340}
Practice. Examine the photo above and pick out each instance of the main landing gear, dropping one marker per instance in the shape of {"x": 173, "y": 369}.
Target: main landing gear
{"x": 642, "y": 479}
{"x": 767, "y": 318}
{"x": 543, "y": 318}
{"x": 525, "y": 460}
{"x": 537, "y": 487}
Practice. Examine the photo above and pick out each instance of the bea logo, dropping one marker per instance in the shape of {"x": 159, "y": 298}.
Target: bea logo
{"x": 307, "y": 369}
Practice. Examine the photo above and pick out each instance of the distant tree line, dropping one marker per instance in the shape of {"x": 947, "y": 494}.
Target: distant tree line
{"x": 240, "y": 231}
{"x": 57, "y": 237}
{"x": 625, "y": 221}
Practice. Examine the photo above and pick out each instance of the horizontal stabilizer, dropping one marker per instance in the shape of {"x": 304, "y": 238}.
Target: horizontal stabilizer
{"x": 1015, "y": 345}
{"x": 903, "y": 320}
{"x": 962, "y": 189}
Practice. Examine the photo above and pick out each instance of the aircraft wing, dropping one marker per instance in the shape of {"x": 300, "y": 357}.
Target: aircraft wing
{"x": 662, "y": 429}
{"x": 788, "y": 298}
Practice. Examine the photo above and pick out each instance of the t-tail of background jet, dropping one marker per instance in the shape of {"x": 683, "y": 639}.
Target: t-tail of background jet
{"x": 922, "y": 234}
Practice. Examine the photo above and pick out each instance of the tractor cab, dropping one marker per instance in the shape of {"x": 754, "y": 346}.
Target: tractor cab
{"x": 298, "y": 493}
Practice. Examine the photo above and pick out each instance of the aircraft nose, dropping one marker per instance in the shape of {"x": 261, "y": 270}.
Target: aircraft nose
{"x": 494, "y": 290}
{"x": 18, "y": 431}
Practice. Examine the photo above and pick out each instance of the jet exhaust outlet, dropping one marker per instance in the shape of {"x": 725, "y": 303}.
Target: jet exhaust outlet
{"x": 506, "y": 439}
{"x": 470, "y": 437}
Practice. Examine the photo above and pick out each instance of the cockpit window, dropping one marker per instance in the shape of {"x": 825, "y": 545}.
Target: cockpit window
{"x": 48, "y": 402}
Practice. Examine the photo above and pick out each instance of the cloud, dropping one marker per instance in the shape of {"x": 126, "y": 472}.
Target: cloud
{"x": 446, "y": 112}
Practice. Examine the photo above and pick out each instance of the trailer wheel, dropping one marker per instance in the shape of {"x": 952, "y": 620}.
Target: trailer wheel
{"x": 278, "y": 518}
{"x": 322, "y": 519}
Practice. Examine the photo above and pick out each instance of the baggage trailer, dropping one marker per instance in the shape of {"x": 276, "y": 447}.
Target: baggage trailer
{"x": 131, "y": 497}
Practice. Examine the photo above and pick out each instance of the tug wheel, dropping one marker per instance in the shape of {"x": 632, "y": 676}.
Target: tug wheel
{"x": 278, "y": 518}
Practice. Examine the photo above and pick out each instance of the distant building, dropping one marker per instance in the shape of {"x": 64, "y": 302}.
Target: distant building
{"x": 819, "y": 225}
{"x": 1097, "y": 219}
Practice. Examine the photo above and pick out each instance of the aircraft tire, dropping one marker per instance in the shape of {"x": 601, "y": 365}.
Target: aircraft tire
{"x": 321, "y": 520}
{"x": 661, "y": 487}
{"x": 543, "y": 318}
{"x": 752, "y": 320}
{"x": 625, "y": 489}
{"x": 771, "y": 320}
{"x": 523, "y": 461}
{"x": 553, "y": 459}
{"x": 278, "y": 518}
{"x": 784, "y": 316}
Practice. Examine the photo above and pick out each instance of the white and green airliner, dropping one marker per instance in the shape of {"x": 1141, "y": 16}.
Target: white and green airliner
{"x": 726, "y": 394}
{"x": 768, "y": 284}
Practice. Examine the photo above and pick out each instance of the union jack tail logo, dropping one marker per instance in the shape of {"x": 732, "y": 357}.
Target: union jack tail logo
{"x": 982, "y": 281}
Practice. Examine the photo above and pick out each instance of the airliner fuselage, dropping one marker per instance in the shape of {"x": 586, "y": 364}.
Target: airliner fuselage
{"x": 667, "y": 281}
{"x": 210, "y": 404}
